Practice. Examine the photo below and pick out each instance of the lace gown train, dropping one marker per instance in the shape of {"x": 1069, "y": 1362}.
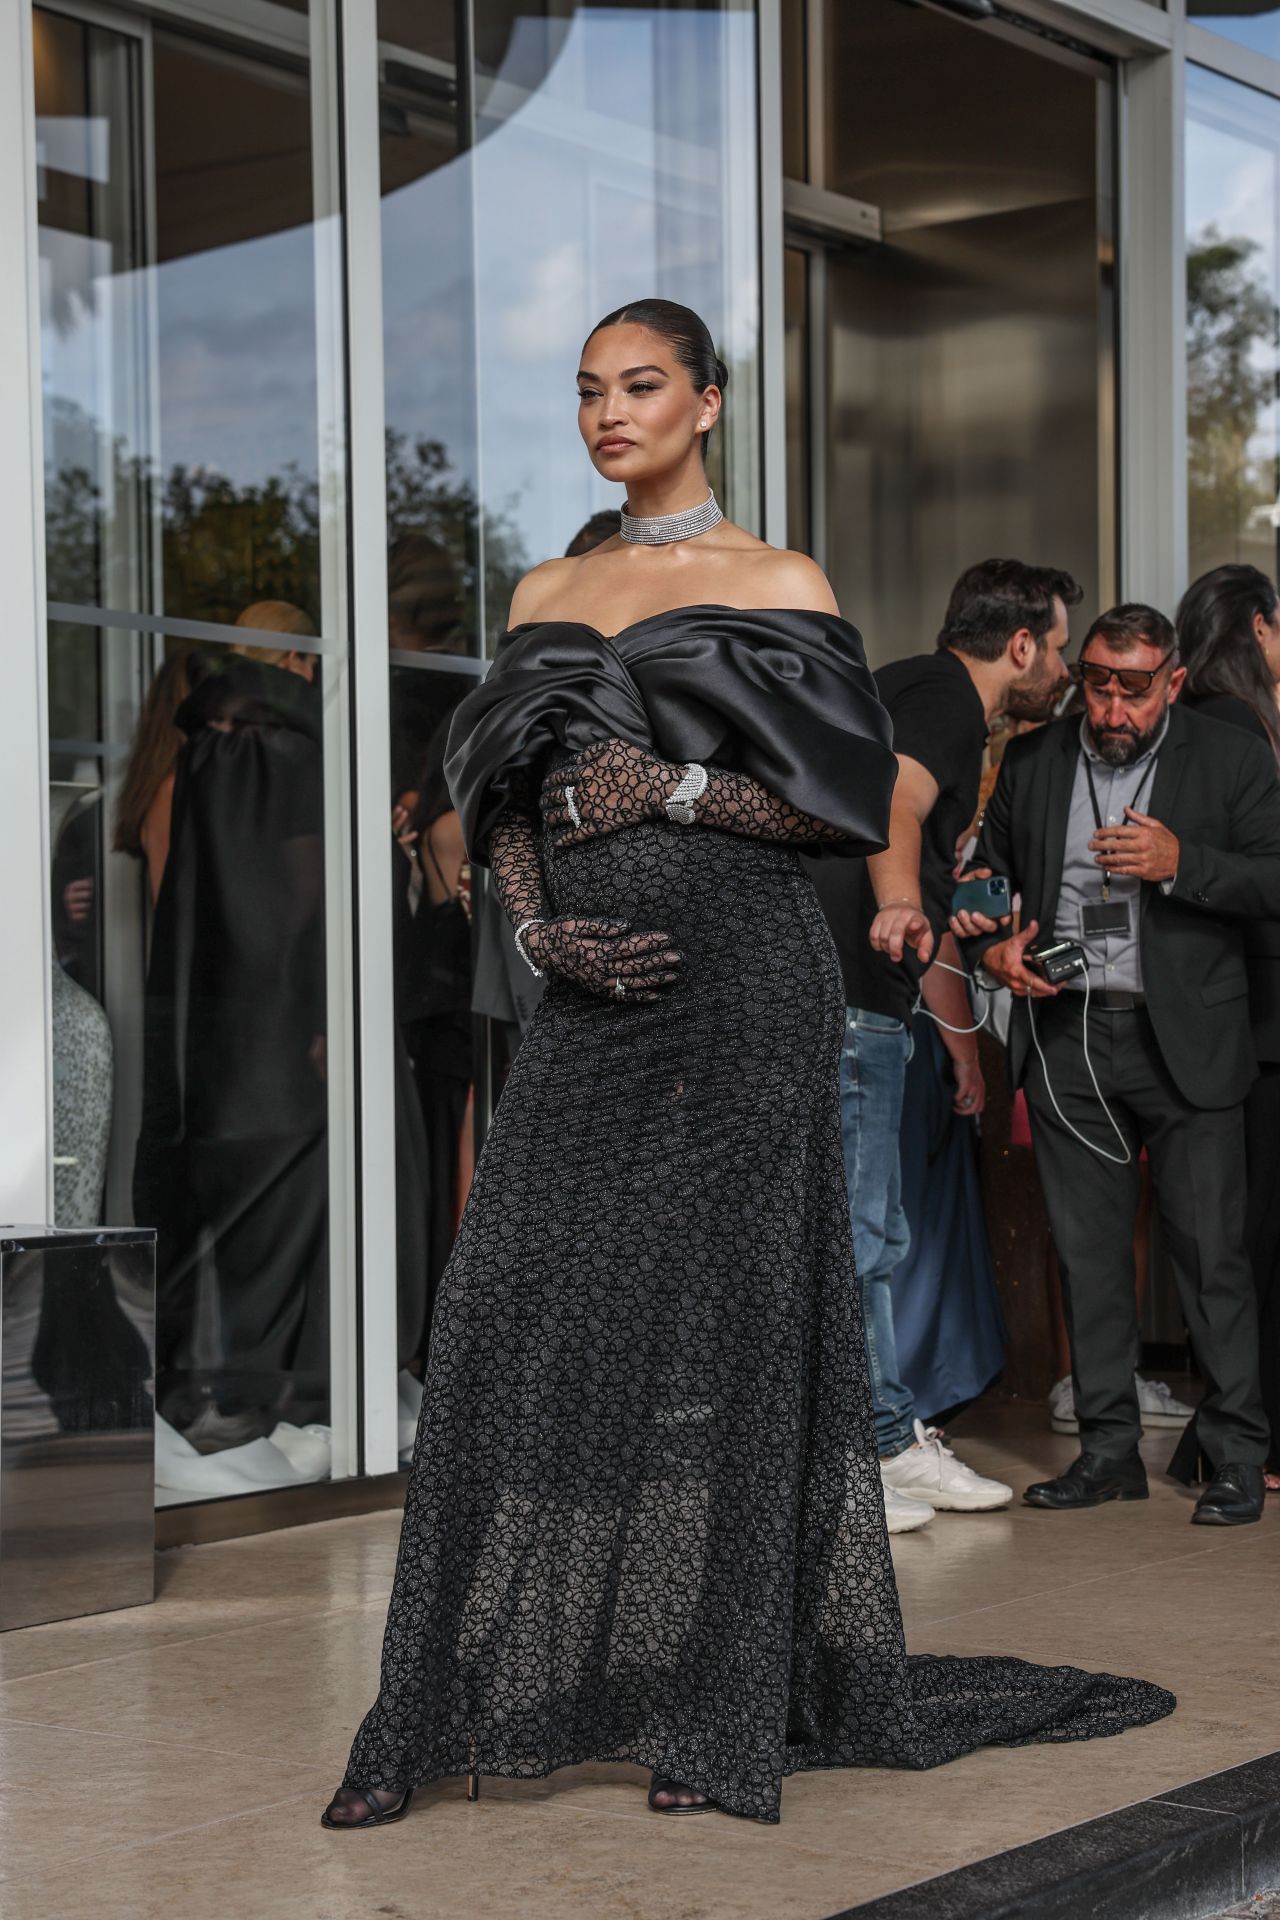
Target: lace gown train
{"x": 644, "y": 1520}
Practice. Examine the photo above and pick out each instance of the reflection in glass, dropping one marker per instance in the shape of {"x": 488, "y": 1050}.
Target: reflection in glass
{"x": 1252, "y": 23}
{"x": 1233, "y": 295}
{"x": 178, "y": 289}
{"x": 231, "y": 1154}
{"x": 591, "y": 155}
{"x": 796, "y": 310}
{"x": 968, "y": 351}
{"x": 428, "y": 306}
{"x": 96, "y": 332}
{"x": 185, "y": 441}
{"x": 615, "y": 157}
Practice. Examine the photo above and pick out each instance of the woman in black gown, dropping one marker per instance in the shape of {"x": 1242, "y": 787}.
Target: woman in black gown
{"x": 644, "y": 1520}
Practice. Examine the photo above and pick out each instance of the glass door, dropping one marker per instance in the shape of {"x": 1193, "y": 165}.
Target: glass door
{"x": 950, "y": 313}
{"x": 192, "y": 334}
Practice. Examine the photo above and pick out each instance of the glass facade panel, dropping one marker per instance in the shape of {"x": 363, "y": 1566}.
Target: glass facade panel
{"x": 587, "y": 155}
{"x": 616, "y": 156}
{"x": 1253, "y": 23}
{"x": 197, "y": 709}
{"x": 1233, "y": 295}
{"x": 563, "y": 161}
{"x": 967, "y": 351}
{"x": 799, "y": 399}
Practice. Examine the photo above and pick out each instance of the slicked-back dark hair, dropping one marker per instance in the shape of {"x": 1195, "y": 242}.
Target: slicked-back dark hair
{"x": 1218, "y": 645}
{"x": 995, "y": 599}
{"x": 1133, "y": 625}
{"x": 687, "y": 335}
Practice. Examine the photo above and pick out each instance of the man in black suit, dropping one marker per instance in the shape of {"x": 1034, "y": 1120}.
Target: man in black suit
{"x": 1149, "y": 836}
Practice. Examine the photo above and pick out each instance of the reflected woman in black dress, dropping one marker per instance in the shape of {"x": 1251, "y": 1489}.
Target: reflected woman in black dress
{"x": 644, "y": 1521}
{"x": 230, "y": 1163}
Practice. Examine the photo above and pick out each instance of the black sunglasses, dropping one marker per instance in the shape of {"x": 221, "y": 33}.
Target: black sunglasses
{"x": 1096, "y": 674}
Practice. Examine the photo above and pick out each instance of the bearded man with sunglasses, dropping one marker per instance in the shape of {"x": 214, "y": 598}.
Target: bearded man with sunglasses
{"x": 1147, "y": 835}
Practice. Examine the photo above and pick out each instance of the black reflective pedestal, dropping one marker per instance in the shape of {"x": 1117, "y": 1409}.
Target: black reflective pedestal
{"x": 77, "y": 1422}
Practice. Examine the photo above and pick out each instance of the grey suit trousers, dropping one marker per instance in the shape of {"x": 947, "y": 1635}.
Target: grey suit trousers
{"x": 1198, "y": 1167}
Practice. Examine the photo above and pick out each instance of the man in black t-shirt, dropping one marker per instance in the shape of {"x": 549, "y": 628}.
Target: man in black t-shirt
{"x": 1000, "y": 651}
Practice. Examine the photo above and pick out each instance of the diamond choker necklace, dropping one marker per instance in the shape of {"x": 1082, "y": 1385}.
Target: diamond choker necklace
{"x": 660, "y": 529}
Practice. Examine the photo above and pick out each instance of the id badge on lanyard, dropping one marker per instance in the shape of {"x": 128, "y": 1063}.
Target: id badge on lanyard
{"x": 1108, "y": 916}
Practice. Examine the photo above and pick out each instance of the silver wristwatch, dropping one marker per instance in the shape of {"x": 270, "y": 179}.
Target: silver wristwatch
{"x": 681, "y": 799}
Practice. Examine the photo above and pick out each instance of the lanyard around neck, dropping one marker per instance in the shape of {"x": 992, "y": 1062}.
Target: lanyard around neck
{"x": 1097, "y": 810}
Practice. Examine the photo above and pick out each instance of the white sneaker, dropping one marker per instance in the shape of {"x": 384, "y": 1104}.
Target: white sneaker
{"x": 903, "y": 1515}
{"x": 1062, "y": 1407}
{"x": 1156, "y": 1405}
{"x": 930, "y": 1472}
{"x": 309, "y": 1450}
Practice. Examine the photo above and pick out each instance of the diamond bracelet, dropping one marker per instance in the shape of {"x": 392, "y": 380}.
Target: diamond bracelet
{"x": 522, "y": 946}
{"x": 680, "y": 801}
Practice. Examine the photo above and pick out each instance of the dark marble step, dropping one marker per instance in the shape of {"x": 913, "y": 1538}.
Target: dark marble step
{"x": 1181, "y": 1855}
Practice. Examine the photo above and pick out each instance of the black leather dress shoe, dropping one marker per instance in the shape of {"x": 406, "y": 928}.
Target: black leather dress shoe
{"x": 1233, "y": 1497}
{"x": 1089, "y": 1481}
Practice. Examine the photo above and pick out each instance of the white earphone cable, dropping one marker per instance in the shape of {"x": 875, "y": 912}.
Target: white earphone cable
{"x": 937, "y": 1020}
{"x": 1117, "y": 1160}
{"x": 1123, "y": 1159}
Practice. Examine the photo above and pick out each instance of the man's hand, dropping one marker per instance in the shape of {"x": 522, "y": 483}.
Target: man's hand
{"x": 971, "y": 1088}
{"x": 1005, "y": 963}
{"x": 968, "y": 924}
{"x": 77, "y": 899}
{"x": 899, "y": 926}
{"x": 1142, "y": 850}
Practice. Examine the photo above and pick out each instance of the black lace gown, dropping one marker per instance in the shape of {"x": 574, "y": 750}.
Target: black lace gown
{"x": 644, "y": 1520}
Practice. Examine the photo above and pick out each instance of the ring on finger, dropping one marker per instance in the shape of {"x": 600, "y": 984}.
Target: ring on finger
{"x": 619, "y": 990}
{"x": 571, "y": 806}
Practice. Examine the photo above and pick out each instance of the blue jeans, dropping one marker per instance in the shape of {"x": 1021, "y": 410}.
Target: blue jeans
{"x": 873, "y": 1067}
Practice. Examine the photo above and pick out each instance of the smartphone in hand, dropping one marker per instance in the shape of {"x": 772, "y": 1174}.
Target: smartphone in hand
{"x": 989, "y": 897}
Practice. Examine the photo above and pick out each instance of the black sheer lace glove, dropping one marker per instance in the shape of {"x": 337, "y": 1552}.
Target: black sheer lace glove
{"x": 616, "y": 785}
{"x": 599, "y": 956}
{"x": 516, "y": 864}
{"x": 604, "y": 957}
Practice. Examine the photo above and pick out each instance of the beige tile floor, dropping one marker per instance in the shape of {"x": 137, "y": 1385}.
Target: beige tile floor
{"x": 170, "y": 1763}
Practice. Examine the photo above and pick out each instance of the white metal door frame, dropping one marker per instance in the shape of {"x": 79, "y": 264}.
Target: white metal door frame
{"x": 26, "y": 1076}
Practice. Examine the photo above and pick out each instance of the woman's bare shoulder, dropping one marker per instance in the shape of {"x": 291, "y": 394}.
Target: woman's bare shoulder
{"x": 788, "y": 579}
{"x": 543, "y": 587}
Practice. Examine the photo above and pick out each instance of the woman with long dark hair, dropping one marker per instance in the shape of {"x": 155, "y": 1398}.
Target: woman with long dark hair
{"x": 144, "y": 810}
{"x": 645, "y": 1520}
{"x": 1229, "y": 637}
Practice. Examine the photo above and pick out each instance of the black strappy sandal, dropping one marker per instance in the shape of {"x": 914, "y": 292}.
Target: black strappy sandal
{"x": 377, "y": 1816}
{"x": 384, "y": 1816}
{"x": 660, "y": 1784}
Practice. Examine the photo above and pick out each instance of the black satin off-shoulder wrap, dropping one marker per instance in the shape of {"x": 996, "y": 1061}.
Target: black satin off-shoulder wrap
{"x": 783, "y": 695}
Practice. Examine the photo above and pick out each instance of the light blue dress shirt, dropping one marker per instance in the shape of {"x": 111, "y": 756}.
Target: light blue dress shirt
{"x": 1115, "y": 963}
